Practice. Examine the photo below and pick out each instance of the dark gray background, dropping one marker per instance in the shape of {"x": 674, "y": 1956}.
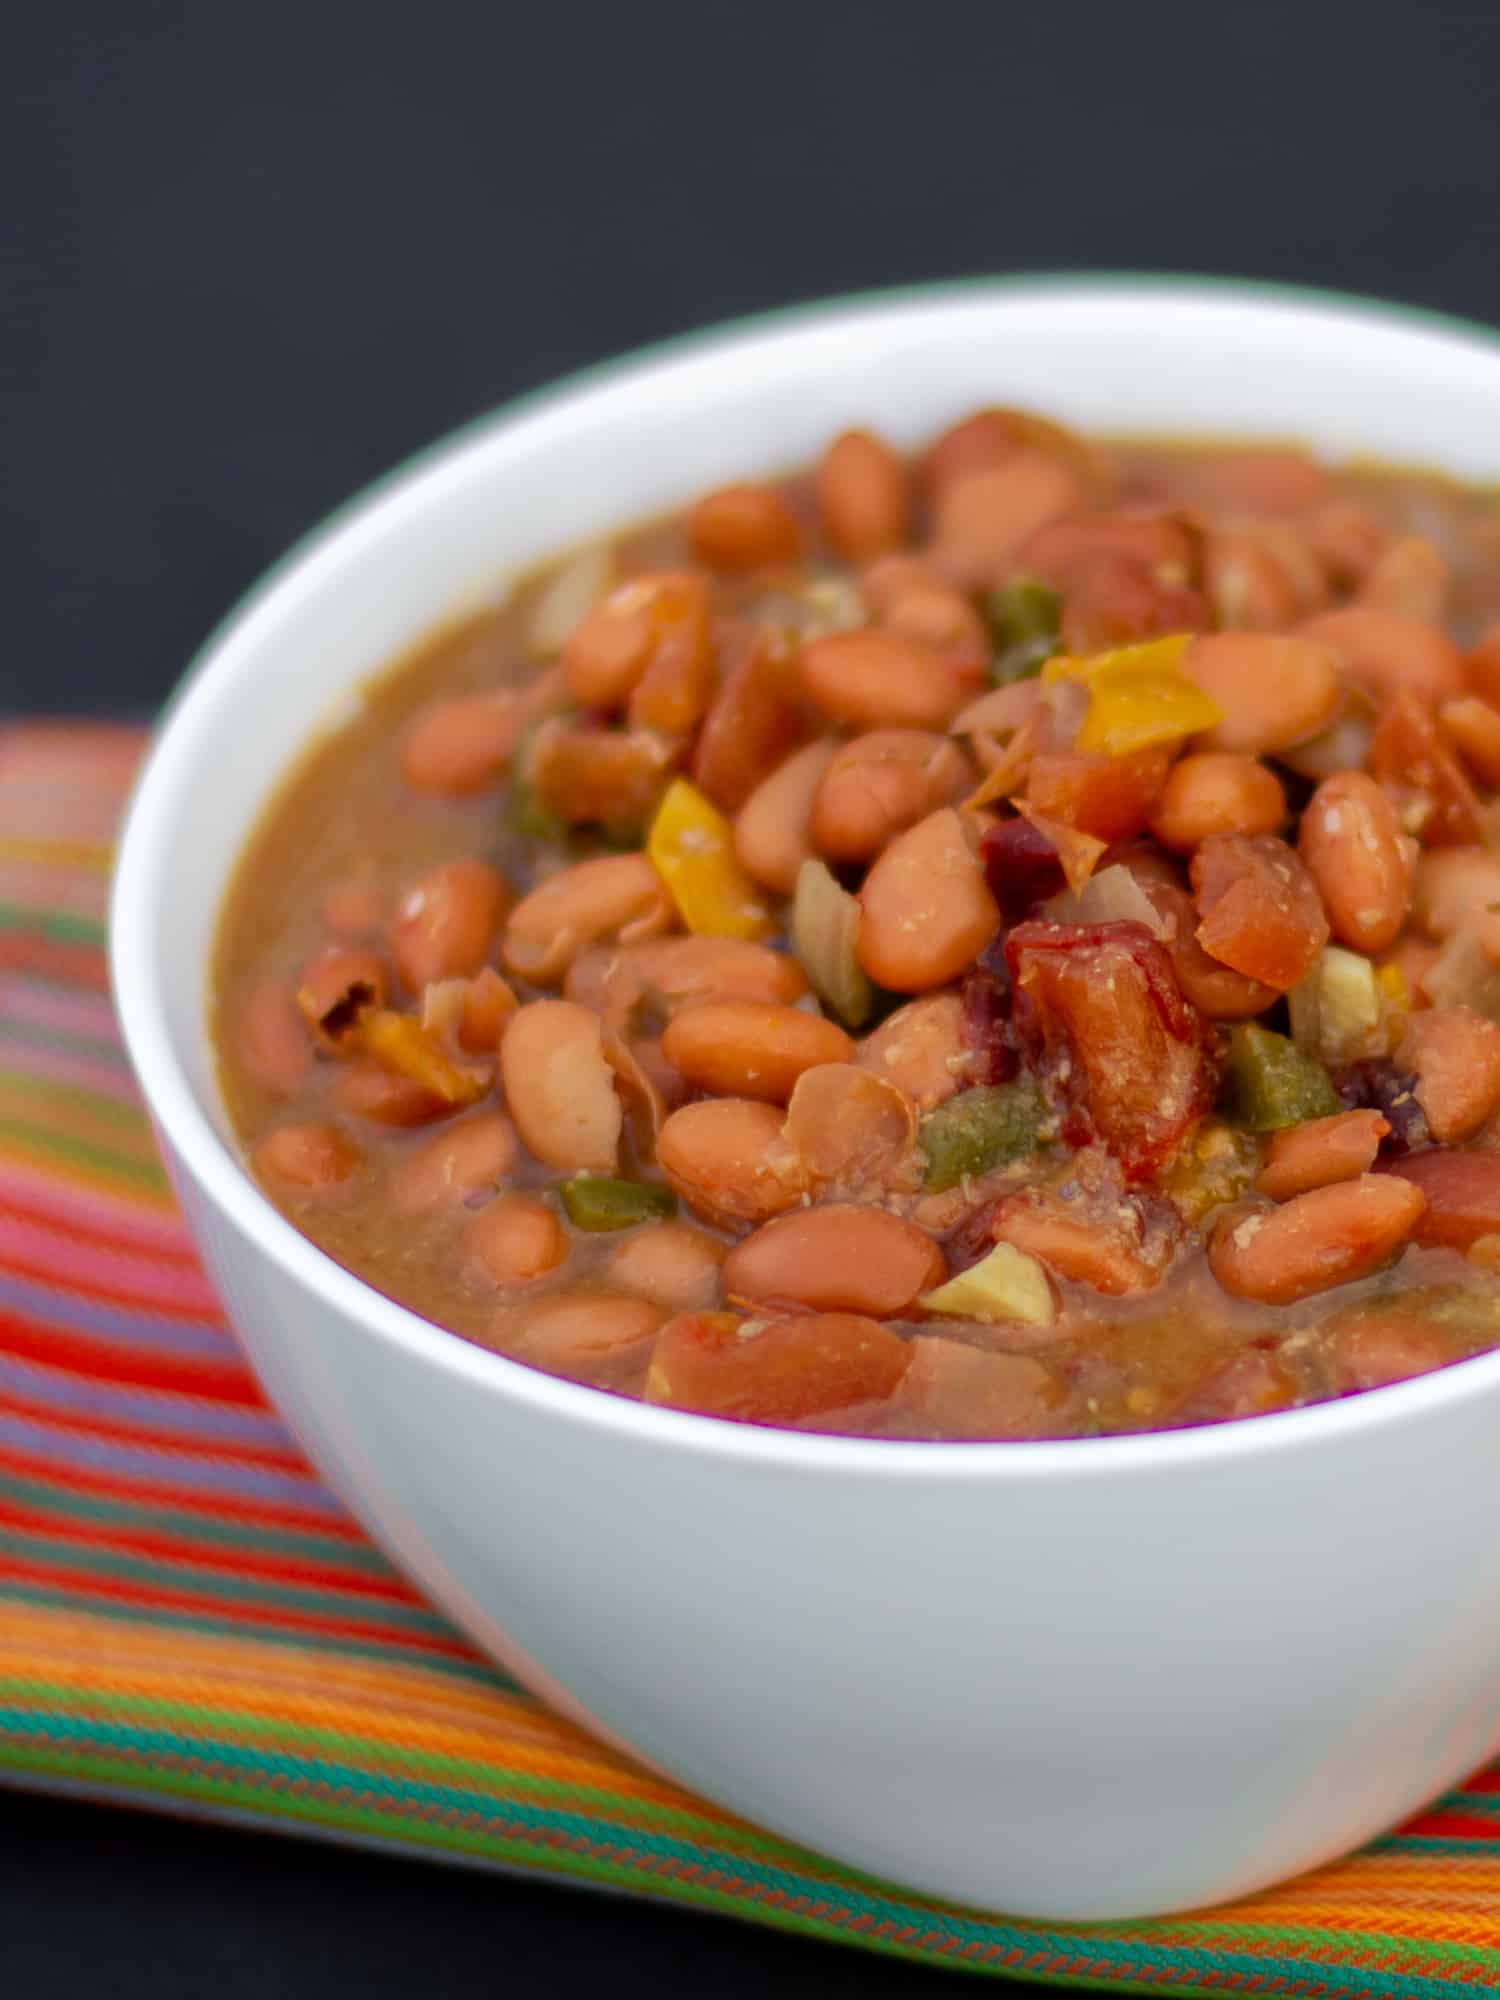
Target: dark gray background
{"x": 253, "y": 255}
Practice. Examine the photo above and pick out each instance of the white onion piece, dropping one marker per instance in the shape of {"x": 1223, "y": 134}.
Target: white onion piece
{"x": 1113, "y": 896}
{"x": 569, "y": 597}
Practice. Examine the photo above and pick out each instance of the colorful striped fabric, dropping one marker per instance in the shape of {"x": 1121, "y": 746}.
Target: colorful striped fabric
{"x": 189, "y": 1620}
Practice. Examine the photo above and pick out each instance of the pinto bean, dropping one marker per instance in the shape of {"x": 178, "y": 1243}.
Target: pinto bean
{"x": 884, "y": 582}
{"x": 1452, "y": 884}
{"x": 587, "y": 776}
{"x": 670, "y": 1263}
{"x": 926, "y": 911}
{"x": 754, "y": 721}
{"x": 269, "y": 1038}
{"x": 1482, "y": 666}
{"x": 855, "y": 1132}
{"x": 305, "y": 1159}
{"x": 1258, "y": 907}
{"x": 1454, "y": 1054}
{"x": 1411, "y": 578}
{"x": 1328, "y": 1236}
{"x": 1474, "y": 726}
{"x": 922, "y": 1049}
{"x": 1158, "y": 541}
{"x": 1114, "y": 1260}
{"x": 1116, "y": 602}
{"x": 1462, "y": 1194}
{"x": 1216, "y": 791}
{"x": 1270, "y": 479}
{"x": 837, "y": 1258}
{"x": 334, "y": 988}
{"x": 468, "y": 1158}
{"x": 1250, "y": 1383}
{"x": 1347, "y": 540}
{"x": 445, "y": 926}
{"x": 864, "y": 496}
{"x": 983, "y": 517}
{"x": 743, "y": 1048}
{"x": 1351, "y": 844}
{"x": 1275, "y": 691}
{"x": 880, "y": 784}
{"x": 1320, "y": 1152}
{"x": 464, "y": 744}
{"x": 686, "y": 972}
{"x": 579, "y": 1331}
{"x": 1379, "y": 1346}
{"x": 727, "y": 1159}
{"x": 516, "y": 1239}
{"x": 938, "y": 616}
{"x": 1254, "y": 582}
{"x": 617, "y": 896}
{"x": 874, "y": 680}
{"x": 744, "y": 527}
{"x": 369, "y": 1090}
{"x": 1386, "y": 650}
{"x": 786, "y": 1371}
{"x": 560, "y": 1087}
{"x": 771, "y": 835}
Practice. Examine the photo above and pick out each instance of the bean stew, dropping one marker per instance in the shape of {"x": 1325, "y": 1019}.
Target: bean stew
{"x": 997, "y": 943}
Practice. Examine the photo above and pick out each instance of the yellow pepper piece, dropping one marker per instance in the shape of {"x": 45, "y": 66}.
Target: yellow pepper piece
{"x": 403, "y": 1046}
{"x": 691, "y": 844}
{"x": 1138, "y": 696}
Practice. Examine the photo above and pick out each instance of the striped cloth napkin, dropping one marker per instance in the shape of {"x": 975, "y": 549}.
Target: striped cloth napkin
{"x": 190, "y": 1621}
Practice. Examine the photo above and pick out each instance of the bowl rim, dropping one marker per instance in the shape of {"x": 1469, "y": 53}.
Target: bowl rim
{"x": 142, "y": 858}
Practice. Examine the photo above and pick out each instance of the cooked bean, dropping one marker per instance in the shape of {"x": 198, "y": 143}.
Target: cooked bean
{"x": 926, "y": 911}
{"x": 1347, "y": 539}
{"x": 1113, "y": 1260}
{"x": 944, "y": 619}
{"x": 1412, "y": 578}
{"x": 1475, "y": 727}
{"x": 1351, "y": 844}
{"x": 744, "y": 1048}
{"x": 579, "y": 1331}
{"x": 1252, "y": 585}
{"x": 445, "y": 926}
{"x": 785, "y": 1371}
{"x": 743, "y": 527}
{"x": 976, "y": 442}
{"x": 588, "y": 776}
{"x": 1453, "y": 883}
{"x": 617, "y": 896}
{"x": 880, "y": 784}
{"x": 952, "y": 1390}
{"x": 469, "y": 1158}
{"x": 306, "y": 1159}
{"x": 1462, "y": 1193}
{"x": 369, "y": 1090}
{"x": 560, "y": 1087}
{"x": 854, "y": 1132}
{"x": 1454, "y": 1054}
{"x": 876, "y": 680}
{"x": 464, "y": 744}
{"x": 728, "y": 1161}
{"x": 1482, "y": 665}
{"x": 1063, "y": 550}
{"x": 1216, "y": 792}
{"x": 1258, "y": 907}
{"x": 334, "y": 988}
{"x": 1275, "y": 691}
{"x": 686, "y": 972}
{"x": 516, "y": 1239}
{"x": 884, "y": 582}
{"x": 771, "y": 835}
{"x": 269, "y": 1038}
{"x": 1250, "y": 1383}
{"x": 1266, "y": 479}
{"x": 864, "y": 496}
{"x": 922, "y": 1049}
{"x": 1117, "y": 602}
{"x": 1385, "y": 650}
{"x": 1409, "y": 755}
{"x": 1319, "y": 1152}
{"x": 837, "y": 1258}
{"x": 754, "y": 721}
{"x": 1329, "y": 1236}
{"x": 670, "y": 1263}
{"x": 982, "y": 518}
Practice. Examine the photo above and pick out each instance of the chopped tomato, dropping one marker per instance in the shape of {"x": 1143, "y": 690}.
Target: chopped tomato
{"x": 1259, "y": 910}
{"x": 1412, "y": 759}
{"x": 1099, "y": 1009}
{"x": 1109, "y": 797}
{"x": 1118, "y": 600}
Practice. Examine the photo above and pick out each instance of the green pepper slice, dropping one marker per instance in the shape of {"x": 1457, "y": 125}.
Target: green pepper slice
{"x": 595, "y": 1201}
{"x": 1273, "y": 1083}
{"x": 979, "y": 1130}
{"x": 1023, "y": 617}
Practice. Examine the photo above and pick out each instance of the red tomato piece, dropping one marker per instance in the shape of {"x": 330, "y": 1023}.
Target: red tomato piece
{"x": 1259, "y": 910}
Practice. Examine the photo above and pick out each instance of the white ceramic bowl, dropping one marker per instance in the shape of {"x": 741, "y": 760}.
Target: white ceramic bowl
{"x": 1084, "y": 1679}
